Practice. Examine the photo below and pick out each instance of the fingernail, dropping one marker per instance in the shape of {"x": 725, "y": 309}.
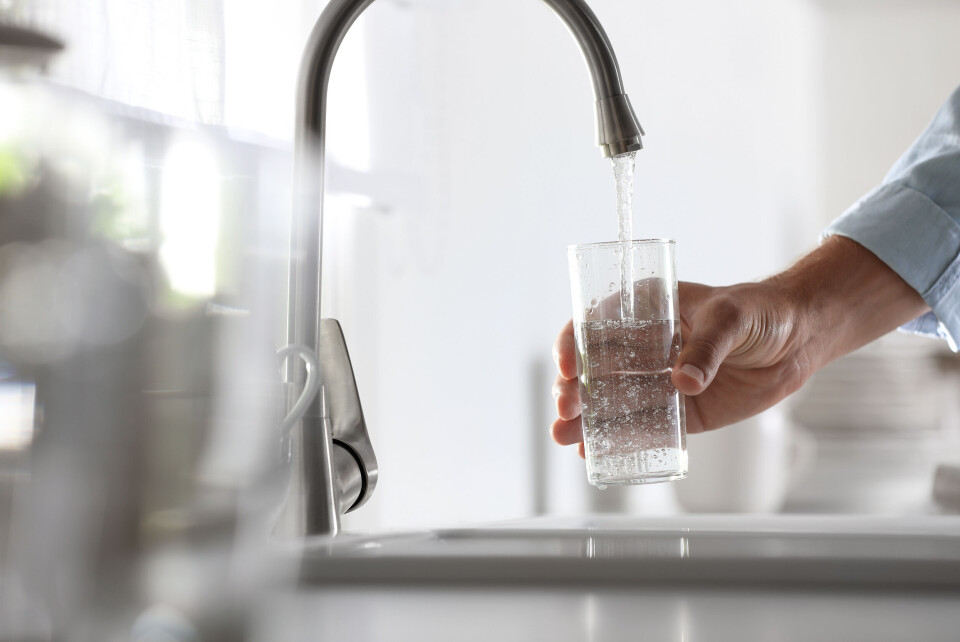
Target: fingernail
{"x": 693, "y": 372}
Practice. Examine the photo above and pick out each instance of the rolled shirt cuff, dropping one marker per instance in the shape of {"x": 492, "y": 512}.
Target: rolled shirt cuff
{"x": 920, "y": 242}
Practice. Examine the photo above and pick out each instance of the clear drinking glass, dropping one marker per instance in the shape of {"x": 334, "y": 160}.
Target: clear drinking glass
{"x": 628, "y": 341}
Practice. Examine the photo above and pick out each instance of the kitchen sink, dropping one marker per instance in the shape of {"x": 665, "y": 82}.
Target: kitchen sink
{"x": 920, "y": 551}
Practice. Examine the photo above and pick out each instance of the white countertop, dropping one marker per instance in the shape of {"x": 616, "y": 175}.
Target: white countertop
{"x": 424, "y": 614}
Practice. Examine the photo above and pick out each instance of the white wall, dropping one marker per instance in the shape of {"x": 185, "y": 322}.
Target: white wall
{"x": 467, "y": 127}
{"x": 765, "y": 119}
{"x": 483, "y": 132}
{"x": 888, "y": 65}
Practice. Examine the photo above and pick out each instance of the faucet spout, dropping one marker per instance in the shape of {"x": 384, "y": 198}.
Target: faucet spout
{"x": 618, "y": 132}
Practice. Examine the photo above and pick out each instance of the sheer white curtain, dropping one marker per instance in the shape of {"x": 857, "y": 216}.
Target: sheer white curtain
{"x": 216, "y": 62}
{"x": 164, "y": 55}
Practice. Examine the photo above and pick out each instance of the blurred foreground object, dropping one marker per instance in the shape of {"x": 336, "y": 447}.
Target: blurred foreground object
{"x": 71, "y": 312}
{"x": 21, "y": 47}
{"x": 946, "y": 487}
{"x": 124, "y": 479}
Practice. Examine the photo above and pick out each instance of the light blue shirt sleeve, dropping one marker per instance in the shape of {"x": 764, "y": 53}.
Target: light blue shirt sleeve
{"x": 912, "y": 222}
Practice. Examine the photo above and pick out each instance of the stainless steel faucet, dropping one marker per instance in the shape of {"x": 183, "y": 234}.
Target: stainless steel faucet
{"x": 333, "y": 466}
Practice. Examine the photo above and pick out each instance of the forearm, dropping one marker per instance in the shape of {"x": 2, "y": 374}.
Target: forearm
{"x": 846, "y": 297}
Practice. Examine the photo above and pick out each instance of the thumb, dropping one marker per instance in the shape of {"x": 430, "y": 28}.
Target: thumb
{"x": 716, "y": 330}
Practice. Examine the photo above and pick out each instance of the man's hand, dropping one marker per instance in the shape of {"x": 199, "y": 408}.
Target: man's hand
{"x": 747, "y": 346}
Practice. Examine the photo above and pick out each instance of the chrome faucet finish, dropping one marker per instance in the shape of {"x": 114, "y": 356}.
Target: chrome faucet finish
{"x": 315, "y": 486}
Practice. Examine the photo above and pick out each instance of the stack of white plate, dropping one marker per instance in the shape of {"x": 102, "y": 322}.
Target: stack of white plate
{"x": 894, "y": 385}
{"x": 883, "y": 417}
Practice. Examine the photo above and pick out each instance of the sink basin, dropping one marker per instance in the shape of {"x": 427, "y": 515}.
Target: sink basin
{"x": 692, "y": 578}
{"x": 794, "y": 550}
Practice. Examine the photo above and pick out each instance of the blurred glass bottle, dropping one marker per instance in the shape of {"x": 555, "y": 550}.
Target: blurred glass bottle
{"x": 72, "y": 312}
{"x": 151, "y": 410}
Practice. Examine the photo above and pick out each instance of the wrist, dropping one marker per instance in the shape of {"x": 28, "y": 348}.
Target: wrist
{"x": 843, "y": 297}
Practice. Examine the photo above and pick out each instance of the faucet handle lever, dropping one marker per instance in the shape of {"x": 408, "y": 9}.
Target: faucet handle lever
{"x": 342, "y": 400}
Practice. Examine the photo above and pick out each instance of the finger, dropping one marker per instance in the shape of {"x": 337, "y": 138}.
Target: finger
{"x": 567, "y": 432}
{"x": 566, "y": 392}
{"x": 716, "y": 330}
{"x": 565, "y": 352}
{"x": 581, "y": 451}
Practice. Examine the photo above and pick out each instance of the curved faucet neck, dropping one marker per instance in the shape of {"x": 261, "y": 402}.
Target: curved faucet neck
{"x": 618, "y": 132}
